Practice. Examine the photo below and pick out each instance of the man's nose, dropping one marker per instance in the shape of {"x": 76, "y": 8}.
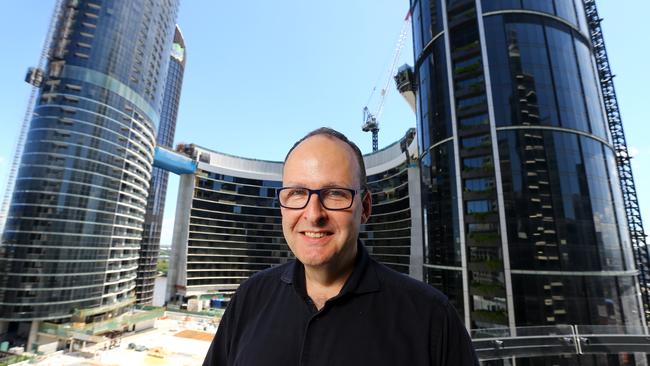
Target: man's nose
{"x": 314, "y": 211}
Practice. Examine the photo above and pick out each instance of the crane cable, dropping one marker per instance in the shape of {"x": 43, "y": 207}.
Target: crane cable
{"x": 391, "y": 71}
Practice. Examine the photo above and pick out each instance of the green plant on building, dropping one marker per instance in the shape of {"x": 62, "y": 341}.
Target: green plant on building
{"x": 486, "y": 237}
{"x": 481, "y": 216}
{"x": 460, "y": 70}
{"x": 470, "y": 46}
{"x": 489, "y": 316}
{"x": 487, "y": 289}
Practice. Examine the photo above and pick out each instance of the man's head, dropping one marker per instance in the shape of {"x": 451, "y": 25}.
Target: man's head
{"x": 319, "y": 237}
{"x": 334, "y": 134}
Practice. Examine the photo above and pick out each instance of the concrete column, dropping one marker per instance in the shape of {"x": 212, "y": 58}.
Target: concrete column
{"x": 417, "y": 238}
{"x": 505, "y": 248}
{"x": 457, "y": 168}
{"x": 33, "y": 333}
{"x": 177, "y": 273}
{"x": 640, "y": 359}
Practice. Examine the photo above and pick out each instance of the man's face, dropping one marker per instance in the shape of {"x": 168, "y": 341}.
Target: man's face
{"x": 316, "y": 236}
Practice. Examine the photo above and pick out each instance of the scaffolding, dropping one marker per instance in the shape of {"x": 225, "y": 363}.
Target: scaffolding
{"x": 630, "y": 200}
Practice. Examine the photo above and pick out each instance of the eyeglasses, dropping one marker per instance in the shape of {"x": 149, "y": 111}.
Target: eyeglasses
{"x": 331, "y": 198}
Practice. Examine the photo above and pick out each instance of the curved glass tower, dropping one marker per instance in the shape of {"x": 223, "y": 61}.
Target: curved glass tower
{"x": 70, "y": 246}
{"x": 150, "y": 244}
{"x": 522, "y": 208}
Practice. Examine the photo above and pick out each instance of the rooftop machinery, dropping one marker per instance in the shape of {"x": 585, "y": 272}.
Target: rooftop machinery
{"x": 371, "y": 117}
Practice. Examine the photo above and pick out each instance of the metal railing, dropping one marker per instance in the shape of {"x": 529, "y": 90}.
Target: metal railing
{"x": 565, "y": 339}
{"x": 101, "y": 327}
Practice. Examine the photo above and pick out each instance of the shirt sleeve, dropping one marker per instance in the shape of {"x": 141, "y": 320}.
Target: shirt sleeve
{"x": 220, "y": 347}
{"x": 456, "y": 347}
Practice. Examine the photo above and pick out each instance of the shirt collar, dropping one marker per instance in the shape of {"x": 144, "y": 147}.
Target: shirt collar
{"x": 363, "y": 278}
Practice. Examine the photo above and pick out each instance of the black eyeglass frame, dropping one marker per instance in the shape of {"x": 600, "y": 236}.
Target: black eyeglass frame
{"x": 318, "y": 192}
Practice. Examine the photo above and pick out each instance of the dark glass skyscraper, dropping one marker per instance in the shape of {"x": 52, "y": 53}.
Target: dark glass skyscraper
{"x": 71, "y": 241}
{"x": 522, "y": 208}
{"x": 150, "y": 244}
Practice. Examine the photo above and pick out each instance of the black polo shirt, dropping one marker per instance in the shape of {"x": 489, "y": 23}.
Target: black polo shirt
{"x": 380, "y": 317}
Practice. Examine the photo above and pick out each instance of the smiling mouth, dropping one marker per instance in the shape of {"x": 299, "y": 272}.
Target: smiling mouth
{"x": 313, "y": 234}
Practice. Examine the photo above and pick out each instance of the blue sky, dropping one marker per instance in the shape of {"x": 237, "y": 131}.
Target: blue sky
{"x": 261, "y": 74}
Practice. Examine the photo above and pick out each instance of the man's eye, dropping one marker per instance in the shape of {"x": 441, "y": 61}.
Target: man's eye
{"x": 297, "y": 193}
{"x": 337, "y": 193}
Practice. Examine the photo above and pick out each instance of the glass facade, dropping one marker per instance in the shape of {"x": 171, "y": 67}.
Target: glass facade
{"x": 74, "y": 226}
{"x": 235, "y": 230}
{"x": 387, "y": 234}
{"x": 522, "y": 208}
{"x": 150, "y": 244}
{"x": 232, "y": 226}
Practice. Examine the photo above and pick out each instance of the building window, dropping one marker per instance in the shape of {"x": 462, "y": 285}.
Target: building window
{"x": 478, "y": 120}
{"x": 480, "y": 206}
{"x": 480, "y": 227}
{"x": 479, "y": 185}
{"x": 477, "y": 163}
{"x": 475, "y": 142}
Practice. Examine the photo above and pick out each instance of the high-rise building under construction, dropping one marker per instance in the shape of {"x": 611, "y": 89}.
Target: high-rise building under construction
{"x": 522, "y": 207}
{"x": 70, "y": 246}
{"x": 150, "y": 244}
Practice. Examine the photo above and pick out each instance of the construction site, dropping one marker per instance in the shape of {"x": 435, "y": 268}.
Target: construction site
{"x": 173, "y": 338}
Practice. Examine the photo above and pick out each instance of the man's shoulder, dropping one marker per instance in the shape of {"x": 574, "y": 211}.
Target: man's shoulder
{"x": 402, "y": 286}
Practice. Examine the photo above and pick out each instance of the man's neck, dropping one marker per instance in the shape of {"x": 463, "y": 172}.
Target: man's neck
{"x": 325, "y": 282}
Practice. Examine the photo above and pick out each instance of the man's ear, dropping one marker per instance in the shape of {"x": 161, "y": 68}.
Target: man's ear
{"x": 366, "y": 203}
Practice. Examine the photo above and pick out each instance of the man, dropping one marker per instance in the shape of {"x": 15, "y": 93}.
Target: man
{"x": 334, "y": 305}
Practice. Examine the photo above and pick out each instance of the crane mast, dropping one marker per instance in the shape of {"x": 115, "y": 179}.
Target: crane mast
{"x": 370, "y": 118}
{"x": 370, "y": 124}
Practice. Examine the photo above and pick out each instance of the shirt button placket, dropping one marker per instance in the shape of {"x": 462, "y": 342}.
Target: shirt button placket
{"x": 306, "y": 343}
